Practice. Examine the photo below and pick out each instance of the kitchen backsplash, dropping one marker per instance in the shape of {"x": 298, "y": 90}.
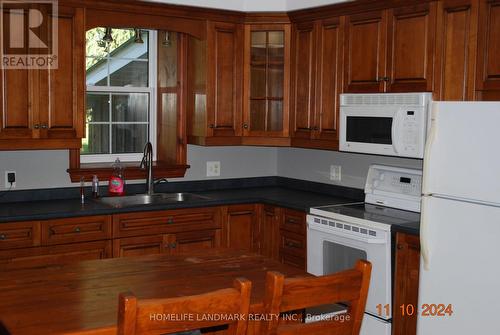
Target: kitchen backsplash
{"x": 47, "y": 169}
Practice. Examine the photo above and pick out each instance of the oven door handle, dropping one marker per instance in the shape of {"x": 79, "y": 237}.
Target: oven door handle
{"x": 318, "y": 227}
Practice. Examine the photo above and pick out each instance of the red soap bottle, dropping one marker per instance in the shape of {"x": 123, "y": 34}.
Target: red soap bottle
{"x": 116, "y": 185}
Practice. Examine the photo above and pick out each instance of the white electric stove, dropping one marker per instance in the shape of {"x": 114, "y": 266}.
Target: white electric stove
{"x": 339, "y": 235}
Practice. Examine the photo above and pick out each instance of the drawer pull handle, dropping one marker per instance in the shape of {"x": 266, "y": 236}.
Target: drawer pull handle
{"x": 292, "y": 221}
{"x": 291, "y": 244}
{"x": 173, "y": 245}
{"x": 52, "y": 231}
{"x": 400, "y": 246}
{"x": 3, "y": 237}
{"x": 170, "y": 220}
{"x": 77, "y": 229}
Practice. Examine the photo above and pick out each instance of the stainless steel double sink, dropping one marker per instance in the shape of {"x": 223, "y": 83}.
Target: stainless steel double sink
{"x": 150, "y": 199}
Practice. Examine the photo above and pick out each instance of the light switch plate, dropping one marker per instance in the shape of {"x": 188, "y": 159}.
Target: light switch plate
{"x": 213, "y": 169}
{"x": 335, "y": 172}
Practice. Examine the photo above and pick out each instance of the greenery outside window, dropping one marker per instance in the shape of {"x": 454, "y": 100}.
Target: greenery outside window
{"x": 120, "y": 97}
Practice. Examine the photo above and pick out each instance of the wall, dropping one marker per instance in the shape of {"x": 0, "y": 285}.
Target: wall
{"x": 47, "y": 169}
{"x": 253, "y": 5}
{"x": 314, "y": 165}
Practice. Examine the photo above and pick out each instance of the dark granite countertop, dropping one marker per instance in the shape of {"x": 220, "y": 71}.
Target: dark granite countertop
{"x": 278, "y": 195}
{"x": 284, "y": 192}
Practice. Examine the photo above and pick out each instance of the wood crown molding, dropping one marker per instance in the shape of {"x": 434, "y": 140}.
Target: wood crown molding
{"x": 193, "y": 14}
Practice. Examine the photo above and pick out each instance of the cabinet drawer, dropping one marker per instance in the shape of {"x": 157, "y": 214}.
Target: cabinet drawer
{"x": 80, "y": 229}
{"x": 19, "y": 235}
{"x": 293, "y": 244}
{"x": 140, "y": 246}
{"x": 55, "y": 255}
{"x": 294, "y": 221}
{"x": 292, "y": 260}
{"x": 149, "y": 223}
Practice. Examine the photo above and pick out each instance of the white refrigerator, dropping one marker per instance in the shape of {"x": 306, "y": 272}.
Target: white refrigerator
{"x": 460, "y": 221}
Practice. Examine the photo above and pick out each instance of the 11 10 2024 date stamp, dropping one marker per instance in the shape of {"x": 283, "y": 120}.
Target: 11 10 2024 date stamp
{"x": 425, "y": 310}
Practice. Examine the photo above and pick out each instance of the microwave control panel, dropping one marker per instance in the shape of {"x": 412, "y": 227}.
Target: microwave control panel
{"x": 411, "y": 128}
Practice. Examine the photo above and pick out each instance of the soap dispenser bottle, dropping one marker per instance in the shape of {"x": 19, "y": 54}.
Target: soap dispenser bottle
{"x": 116, "y": 185}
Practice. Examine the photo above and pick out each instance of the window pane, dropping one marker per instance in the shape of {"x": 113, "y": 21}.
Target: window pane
{"x": 132, "y": 107}
{"x": 129, "y": 138}
{"x": 258, "y": 81}
{"x": 97, "y": 72}
{"x": 97, "y": 107}
{"x": 275, "y": 116}
{"x": 97, "y": 139}
{"x": 125, "y": 72}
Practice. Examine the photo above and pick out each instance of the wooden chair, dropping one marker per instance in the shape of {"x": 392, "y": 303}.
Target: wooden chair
{"x": 284, "y": 295}
{"x": 151, "y": 316}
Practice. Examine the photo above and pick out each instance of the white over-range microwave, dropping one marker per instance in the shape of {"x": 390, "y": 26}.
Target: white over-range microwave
{"x": 391, "y": 124}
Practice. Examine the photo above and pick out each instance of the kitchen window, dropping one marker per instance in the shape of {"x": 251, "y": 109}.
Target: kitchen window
{"x": 120, "y": 98}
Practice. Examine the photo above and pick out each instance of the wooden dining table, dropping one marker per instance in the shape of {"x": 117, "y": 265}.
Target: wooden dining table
{"x": 75, "y": 297}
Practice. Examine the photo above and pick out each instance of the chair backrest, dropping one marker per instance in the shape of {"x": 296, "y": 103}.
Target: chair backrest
{"x": 284, "y": 295}
{"x": 172, "y": 315}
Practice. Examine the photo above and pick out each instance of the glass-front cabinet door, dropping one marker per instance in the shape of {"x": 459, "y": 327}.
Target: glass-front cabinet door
{"x": 267, "y": 63}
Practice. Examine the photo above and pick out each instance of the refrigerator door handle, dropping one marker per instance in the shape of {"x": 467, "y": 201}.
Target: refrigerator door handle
{"x": 424, "y": 243}
{"x": 431, "y": 139}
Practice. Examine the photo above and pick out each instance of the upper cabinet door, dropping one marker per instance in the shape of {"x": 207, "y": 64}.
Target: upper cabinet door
{"x": 266, "y": 80}
{"x": 456, "y": 48}
{"x": 18, "y": 115}
{"x": 411, "y": 40}
{"x": 489, "y": 46}
{"x": 365, "y": 52}
{"x": 304, "y": 72}
{"x": 329, "y": 79}
{"x": 224, "y": 79}
{"x": 62, "y": 88}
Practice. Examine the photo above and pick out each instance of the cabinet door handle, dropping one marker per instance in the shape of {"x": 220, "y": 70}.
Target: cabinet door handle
{"x": 400, "y": 246}
{"x": 383, "y": 79}
{"x": 173, "y": 245}
{"x": 245, "y": 125}
{"x": 292, "y": 221}
{"x": 292, "y": 244}
{"x": 315, "y": 128}
{"x": 211, "y": 126}
{"x": 77, "y": 229}
{"x": 3, "y": 237}
{"x": 52, "y": 231}
{"x": 36, "y": 126}
{"x": 44, "y": 126}
{"x": 170, "y": 220}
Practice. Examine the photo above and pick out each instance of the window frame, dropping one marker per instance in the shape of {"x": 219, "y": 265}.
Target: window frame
{"x": 151, "y": 90}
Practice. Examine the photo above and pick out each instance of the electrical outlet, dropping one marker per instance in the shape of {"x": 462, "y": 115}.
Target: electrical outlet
{"x": 335, "y": 172}
{"x": 10, "y": 178}
{"x": 213, "y": 169}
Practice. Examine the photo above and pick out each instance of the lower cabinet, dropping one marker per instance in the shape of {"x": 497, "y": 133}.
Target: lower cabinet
{"x": 178, "y": 243}
{"x": 406, "y": 274}
{"x": 44, "y": 256}
{"x": 293, "y": 240}
{"x": 241, "y": 227}
{"x": 274, "y": 232}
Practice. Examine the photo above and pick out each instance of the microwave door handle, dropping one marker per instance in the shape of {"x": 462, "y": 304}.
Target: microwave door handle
{"x": 395, "y": 131}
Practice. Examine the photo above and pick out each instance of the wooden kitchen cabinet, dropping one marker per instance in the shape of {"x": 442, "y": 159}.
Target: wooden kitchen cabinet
{"x": 190, "y": 241}
{"x": 390, "y": 50}
{"x": 488, "y": 62}
{"x": 241, "y": 227}
{"x": 317, "y": 83}
{"x": 19, "y": 234}
{"x": 456, "y": 49}
{"x": 43, "y": 108}
{"x": 162, "y": 222}
{"x": 270, "y": 230}
{"x": 293, "y": 240}
{"x": 406, "y": 276}
{"x": 266, "y": 84}
{"x": 215, "y": 80}
{"x": 78, "y": 229}
{"x": 53, "y": 255}
{"x": 141, "y": 245}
